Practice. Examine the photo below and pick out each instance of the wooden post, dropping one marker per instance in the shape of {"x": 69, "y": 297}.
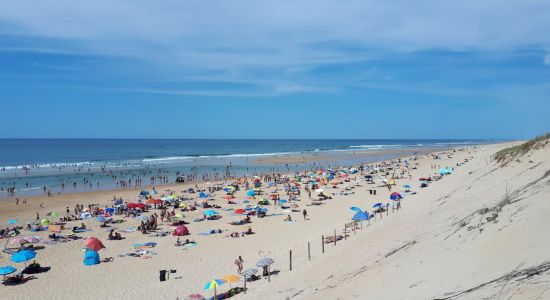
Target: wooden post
{"x": 244, "y": 284}
{"x": 290, "y": 260}
{"x": 308, "y": 251}
{"x": 269, "y": 273}
{"x": 361, "y": 224}
{"x": 323, "y": 243}
{"x": 354, "y": 225}
{"x": 334, "y": 237}
{"x": 345, "y": 230}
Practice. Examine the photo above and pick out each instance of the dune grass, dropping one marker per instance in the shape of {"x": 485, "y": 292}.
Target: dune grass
{"x": 506, "y": 155}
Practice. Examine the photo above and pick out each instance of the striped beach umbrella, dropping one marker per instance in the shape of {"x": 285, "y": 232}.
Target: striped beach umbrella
{"x": 212, "y": 285}
{"x": 248, "y": 273}
{"x": 264, "y": 262}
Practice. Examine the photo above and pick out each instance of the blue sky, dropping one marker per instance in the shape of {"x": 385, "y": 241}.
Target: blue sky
{"x": 279, "y": 69}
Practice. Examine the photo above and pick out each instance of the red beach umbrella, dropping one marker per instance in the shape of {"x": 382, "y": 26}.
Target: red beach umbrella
{"x": 240, "y": 211}
{"x": 93, "y": 243}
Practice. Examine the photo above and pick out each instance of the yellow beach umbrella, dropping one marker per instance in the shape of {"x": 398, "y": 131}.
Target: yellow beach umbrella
{"x": 231, "y": 279}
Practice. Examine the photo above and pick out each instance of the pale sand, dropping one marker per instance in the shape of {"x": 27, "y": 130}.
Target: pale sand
{"x": 431, "y": 267}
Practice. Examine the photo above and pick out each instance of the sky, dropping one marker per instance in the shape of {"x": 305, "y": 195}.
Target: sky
{"x": 275, "y": 69}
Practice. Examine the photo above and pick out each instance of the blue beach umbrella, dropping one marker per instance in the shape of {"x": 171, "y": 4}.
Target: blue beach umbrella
{"x": 202, "y": 195}
{"x": 118, "y": 202}
{"x": 246, "y": 201}
{"x": 250, "y": 193}
{"x": 356, "y": 209}
{"x": 7, "y": 270}
{"x": 12, "y": 221}
{"x": 377, "y": 205}
{"x": 23, "y": 256}
{"x": 100, "y": 219}
{"x": 109, "y": 210}
{"x": 407, "y": 186}
{"x": 361, "y": 216}
{"x": 283, "y": 201}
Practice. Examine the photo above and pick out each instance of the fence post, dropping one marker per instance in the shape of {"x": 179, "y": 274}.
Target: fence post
{"x": 334, "y": 237}
{"x": 290, "y": 260}
{"x": 323, "y": 243}
{"x": 345, "y": 230}
{"x": 309, "y": 251}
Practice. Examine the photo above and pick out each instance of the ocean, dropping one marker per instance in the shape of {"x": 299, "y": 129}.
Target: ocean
{"x": 33, "y": 166}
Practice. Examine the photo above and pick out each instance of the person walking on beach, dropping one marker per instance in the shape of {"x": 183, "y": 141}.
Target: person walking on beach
{"x": 305, "y": 214}
{"x": 239, "y": 263}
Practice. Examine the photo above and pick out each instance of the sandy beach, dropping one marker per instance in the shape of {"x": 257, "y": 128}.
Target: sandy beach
{"x": 400, "y": 255}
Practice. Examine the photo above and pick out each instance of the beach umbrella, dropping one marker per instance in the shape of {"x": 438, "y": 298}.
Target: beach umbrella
{"x": 231, "y": 279}
{"x": 12, "y": 221}
{"x": 109, "y": 210}
{"x": 100, "y": 219}
{"x": 210, "y": 212}
{"x": 32, "y": 239}
{"x": 395, "y": 196}
{"x": 157, "y": 201}
{"x": 23, "y": 256}
{"x": 248, "y": 273}
{"x": 407, "y": 186}
{"x": 44, "y": 222}
{"x": 202, "y": 195}
{"x": 246, "y": 201}
{"x": 195, "y": 297}
{"x": 264, "y": 262}
{"x": 283, "y": 201}
{"x": 250, "y": 193}
{"x": 118, "y": 202}
{"x": 93, "y": 243}
{"x": 179, "y": 216}
{"x": 53, "y": 214}
{"x": 240, "y": 211}
{"x": 150, "y": 201}
{"x": 5, "y": 270}
{"x": 228, "y": 197}
{"x": 377, "y": 205}
{"x": 182, "y": 205}
{"x": 361, "y": 216}
{"x": 356, "y": 209}
{"x": 212, "y": 285}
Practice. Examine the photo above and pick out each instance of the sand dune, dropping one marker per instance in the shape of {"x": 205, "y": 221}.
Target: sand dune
{"x": 481, "y": 233}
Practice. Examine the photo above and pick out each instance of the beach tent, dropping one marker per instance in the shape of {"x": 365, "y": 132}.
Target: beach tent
{"x": 109, "y": 210}
{"x": 85, "y": 215}
{"x": 202, "y": 195}
{"x": 91, "y": 258}
{"x": 181, "y": 230}
{"x": 144, "y": 193}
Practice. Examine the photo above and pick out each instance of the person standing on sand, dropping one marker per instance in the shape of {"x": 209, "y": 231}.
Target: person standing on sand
{"x": 305, "y": 214}
{"x": 239, "y": 263}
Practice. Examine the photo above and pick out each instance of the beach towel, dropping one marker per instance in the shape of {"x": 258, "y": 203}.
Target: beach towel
{"x": 145, "y": 245}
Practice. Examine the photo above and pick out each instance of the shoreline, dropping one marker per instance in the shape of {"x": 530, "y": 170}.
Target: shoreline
{"x": 295, "y": 162}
